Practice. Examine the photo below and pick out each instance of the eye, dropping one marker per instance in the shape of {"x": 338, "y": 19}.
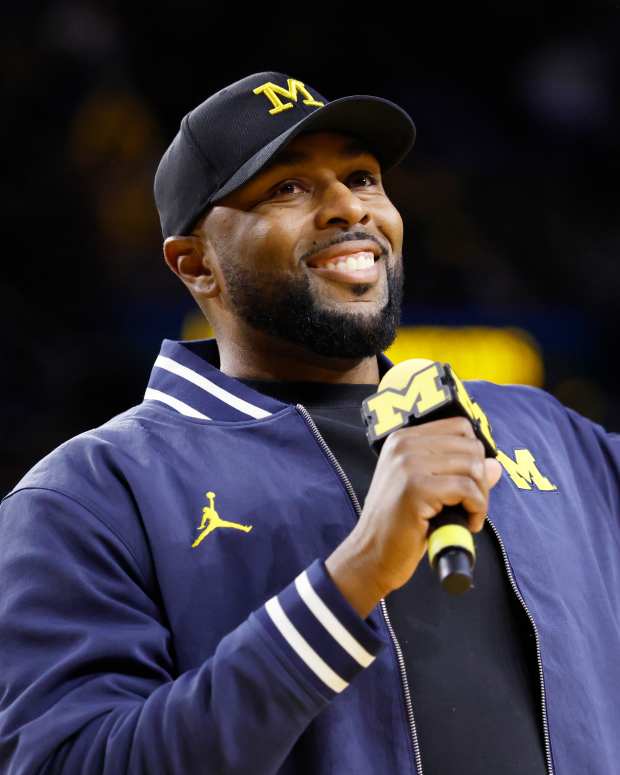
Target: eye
{"x": 364, "y": 179}
{"x": 286, "y": 188}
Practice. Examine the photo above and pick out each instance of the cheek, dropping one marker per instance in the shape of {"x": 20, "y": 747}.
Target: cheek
{"x": 391, "y": 224}
{"x": 268, "y": 243}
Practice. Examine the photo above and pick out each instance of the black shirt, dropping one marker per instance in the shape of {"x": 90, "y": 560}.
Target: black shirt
{"x": 471, "y": 659}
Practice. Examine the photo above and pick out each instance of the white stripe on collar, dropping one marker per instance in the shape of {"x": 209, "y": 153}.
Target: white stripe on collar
{"x": 163, "y": 362}
{"x": 175, "y": 403}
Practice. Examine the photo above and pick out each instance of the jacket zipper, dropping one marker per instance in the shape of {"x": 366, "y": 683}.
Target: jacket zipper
{"x": 519, "y": 597}
{"x": 399, "y": 653}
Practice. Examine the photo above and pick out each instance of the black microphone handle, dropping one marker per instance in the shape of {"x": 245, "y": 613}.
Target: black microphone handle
{"x": 453, "y": 564}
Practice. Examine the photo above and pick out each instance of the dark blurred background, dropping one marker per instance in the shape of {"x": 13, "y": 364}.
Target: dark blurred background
{"x": 509, "y": 198}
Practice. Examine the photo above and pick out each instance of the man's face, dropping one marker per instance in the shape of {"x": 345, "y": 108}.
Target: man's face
{"x": 310, "y": 249}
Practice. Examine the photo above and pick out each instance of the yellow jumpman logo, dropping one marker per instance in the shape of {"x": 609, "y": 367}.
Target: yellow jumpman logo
{"x": 210, "y": 515}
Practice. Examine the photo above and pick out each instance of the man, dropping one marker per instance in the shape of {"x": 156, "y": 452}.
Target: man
{"x": 194, "y": 586}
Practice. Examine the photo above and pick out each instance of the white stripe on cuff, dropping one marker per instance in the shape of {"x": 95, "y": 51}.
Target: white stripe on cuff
{"x": 303, "y": 649}
{"x": 332, "y": 624}
{"x": 175, "y": 403}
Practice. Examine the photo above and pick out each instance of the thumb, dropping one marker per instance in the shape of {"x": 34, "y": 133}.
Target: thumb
{"x": 493, "y": 471}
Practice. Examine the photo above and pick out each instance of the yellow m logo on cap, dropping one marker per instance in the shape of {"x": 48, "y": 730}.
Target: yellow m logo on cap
{"x": 272, "y": 90}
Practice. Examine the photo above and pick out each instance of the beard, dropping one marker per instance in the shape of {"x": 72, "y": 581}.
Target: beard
{"x": 286, "y": 308}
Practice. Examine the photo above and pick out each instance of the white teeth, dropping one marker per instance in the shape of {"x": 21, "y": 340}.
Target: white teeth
{"x": 352, "y": 263}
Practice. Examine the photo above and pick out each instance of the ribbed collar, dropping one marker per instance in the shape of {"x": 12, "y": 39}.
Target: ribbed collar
{"x": 186, "y": 377}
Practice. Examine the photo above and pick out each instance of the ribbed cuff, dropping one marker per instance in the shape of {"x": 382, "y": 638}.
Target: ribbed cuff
{"x": 320, "y": 631}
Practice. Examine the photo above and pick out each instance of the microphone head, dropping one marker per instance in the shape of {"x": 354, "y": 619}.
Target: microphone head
{"x": 419, "y": 390}
{"x": 407, "y": 392}
{"x": 399, "y": 376}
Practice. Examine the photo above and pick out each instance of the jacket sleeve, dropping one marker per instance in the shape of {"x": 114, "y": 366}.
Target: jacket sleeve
{"x": 600, "y": 451}
{"x": 88, "y": 681}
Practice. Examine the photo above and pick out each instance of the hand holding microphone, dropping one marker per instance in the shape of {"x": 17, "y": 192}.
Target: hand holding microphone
{"x": 429, "y": 460}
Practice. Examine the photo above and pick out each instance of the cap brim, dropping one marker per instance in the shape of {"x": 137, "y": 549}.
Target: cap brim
{"x": 387, "y": 129}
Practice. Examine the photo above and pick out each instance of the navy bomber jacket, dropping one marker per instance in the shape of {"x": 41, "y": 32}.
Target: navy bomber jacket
{"x": 165, "y": 608}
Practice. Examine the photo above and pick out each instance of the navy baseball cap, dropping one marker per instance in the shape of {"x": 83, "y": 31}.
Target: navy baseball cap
{"x": 230, "y": 136}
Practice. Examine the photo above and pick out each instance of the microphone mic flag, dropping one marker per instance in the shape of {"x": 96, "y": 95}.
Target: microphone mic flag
{"x": 411, "y": 393}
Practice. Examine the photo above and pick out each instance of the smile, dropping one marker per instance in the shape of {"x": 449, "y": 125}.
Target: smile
{"x": 359, "y": 267}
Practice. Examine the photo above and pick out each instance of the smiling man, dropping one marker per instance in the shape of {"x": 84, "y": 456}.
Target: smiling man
{"x": 303, "y": 260}
{"x": 225, "y": 579}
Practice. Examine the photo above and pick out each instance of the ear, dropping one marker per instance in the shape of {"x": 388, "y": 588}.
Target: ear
{"x": 191, "y": 258}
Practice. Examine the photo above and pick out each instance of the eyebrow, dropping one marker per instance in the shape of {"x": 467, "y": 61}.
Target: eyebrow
{"x": 289, "y": 156}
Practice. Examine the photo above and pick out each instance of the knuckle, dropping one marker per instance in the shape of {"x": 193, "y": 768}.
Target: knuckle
{"x": 425, "y": 511}
{"x": 390, "y": 447}
{"x": 389, "y": 442}
{"x": 475, "y": 469}
{"x": 472, "y": 491}
{"x": 471, "y": 487}
{"x": 397, "y": 440}
{"x": 463, "y": 426}
{"x": 400, "y": 459}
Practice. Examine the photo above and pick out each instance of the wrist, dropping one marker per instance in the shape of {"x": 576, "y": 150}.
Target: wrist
{"x": 352, "y": 572}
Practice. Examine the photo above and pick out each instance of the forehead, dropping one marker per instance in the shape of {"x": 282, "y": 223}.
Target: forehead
{"x": 312, "y": 145}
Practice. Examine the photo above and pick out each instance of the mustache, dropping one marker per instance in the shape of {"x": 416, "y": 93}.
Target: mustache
{"x": 347, "y": 237}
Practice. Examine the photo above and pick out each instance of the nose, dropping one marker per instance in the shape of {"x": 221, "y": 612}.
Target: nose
{"x": 340, "y": 207}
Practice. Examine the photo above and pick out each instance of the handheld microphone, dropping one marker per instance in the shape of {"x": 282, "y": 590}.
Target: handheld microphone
{"x": 417, "y": 391}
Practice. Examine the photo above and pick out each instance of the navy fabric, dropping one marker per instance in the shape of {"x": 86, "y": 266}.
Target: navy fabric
{"x": 125, "y": 650}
